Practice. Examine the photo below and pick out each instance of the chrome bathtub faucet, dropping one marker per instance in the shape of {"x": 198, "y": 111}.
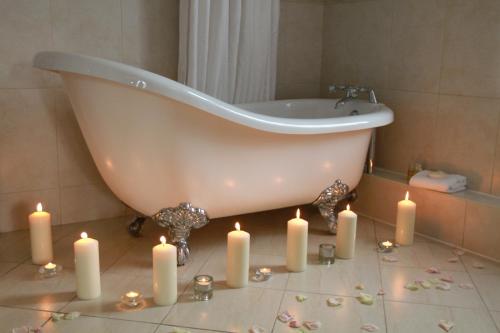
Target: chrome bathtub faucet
{"x": 352, "y": 93}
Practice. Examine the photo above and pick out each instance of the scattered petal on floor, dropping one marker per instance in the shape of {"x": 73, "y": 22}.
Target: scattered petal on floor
{"x": 381, "y": 292}
{"x": 466, "y": 286}
{"x": 389, "y": 259}
{"x": 300, "y": 298}
{"x": 312, "y": 325}
{"x": 57, "y": 316}
{"x": 411, "y": 286}
{"x": 477, "y": 265}
{"x": 369, "y": 328}
{"x": 253, "y": 329}
{"x": 26, "y": 329}
{"x": 433, "y": 270}
{"x": 425, "y": 284}
{"x": 71, "y": 315}
{"x": 334, "y": 301}
{"x": 294, "y": 324}
{"x": 434, "y": 280}
{"x": 181, "y": 330}
{"x": 446, "y": 325}
{"x": 365, "y": 299}
{"x": 285, "y": 317}
{"x": 447, "y": 278}
{"x": 453, "y": 259}
{"x": 443, "y": 286}
{"x": 459, "y": 252}
{"x": 360, "y": 286}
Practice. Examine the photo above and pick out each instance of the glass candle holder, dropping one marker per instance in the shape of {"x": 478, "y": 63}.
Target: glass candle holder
{"x": 203, "y": 287}
{"x": 263, "y": 274}
{"x": 132, "y": 299}
{"x": 385, "y": 246}
{"x": 326, "y": 254}
{"x": 49, "y": 270}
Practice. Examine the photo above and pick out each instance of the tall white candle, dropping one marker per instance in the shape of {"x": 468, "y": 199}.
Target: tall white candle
{"x": 405, "y": 222}
{"x": 41, "y": 236}
{"x": 346, "y": 234}
{"x": 88, "y": 278}
{"x": 164, "y": 273}
{"x": 238, "y": 262}
{"x": 296, "y": 244}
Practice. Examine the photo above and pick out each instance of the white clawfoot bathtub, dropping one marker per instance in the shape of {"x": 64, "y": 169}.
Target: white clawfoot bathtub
{"x": 157, "y": 143}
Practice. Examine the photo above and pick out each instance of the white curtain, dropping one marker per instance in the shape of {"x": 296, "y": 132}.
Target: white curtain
{"x": 228, "y": 48}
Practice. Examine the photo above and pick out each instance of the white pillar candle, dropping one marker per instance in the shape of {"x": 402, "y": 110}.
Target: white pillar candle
{"x": 405, "y": 222}
{"x": 296, "y": 244}
{"x": 41, "y": 236}
{"x": 238, "y": 252}
{"x": 164, "y": 273}
{"x": 346, "y": 234}
{"x": 88, "y": 278}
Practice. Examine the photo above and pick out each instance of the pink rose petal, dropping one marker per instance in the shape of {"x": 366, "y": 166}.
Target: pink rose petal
{"x": 466, "y": 286}
{"x": 312, "y": 325}
{"x": 477, "y": 265}
{"x": 446, "y": 325}
{"x": 369, "y": 328}
{"x": 433, "y": 270}
{"x": 448, "y": 278}
{"x": 453, "y": 259}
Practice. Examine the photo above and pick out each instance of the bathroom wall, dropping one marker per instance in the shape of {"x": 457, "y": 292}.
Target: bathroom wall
{"x": 436, "y": 63}
{"x": 300, "y": 49}
{"x": 42, "y": 154}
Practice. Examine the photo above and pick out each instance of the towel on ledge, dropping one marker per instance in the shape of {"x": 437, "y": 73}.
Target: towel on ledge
{"x": 439, "y": 181}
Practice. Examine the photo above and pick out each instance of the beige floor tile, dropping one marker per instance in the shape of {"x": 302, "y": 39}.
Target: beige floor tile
{"x": 423, "y": 255}
{"x": 489, "y": 267}
{"x": 22, "y": 287}
{"x": 341, "y": 278}
{"x": 91, "y": 324}
{"x": 234, "y": 310}
{"x": 11, "y": 318}
{"x": 170, "y": 329}
{"x": 488, "y": 287}
{"x": 394, "y": 280}
{"x": 347, "y": 318}
{"x": 6, "y": 267}
{"x": 496, "y": 318}
{"x": 113, "y": 286}
{"x": 417, "y": 318}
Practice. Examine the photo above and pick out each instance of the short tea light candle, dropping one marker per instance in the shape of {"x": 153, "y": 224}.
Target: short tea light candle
{"x": 385, "y": 246}
{"x": 326, "y": 254}
{"x": 238, "y": 261}
{"x": 49, "y": 270}
{"x": 296, "y": 244}
{"x": 346, "y": 234}
{"x": 40, "y": 236}
{"x": 88, "y": 277}
{"x": 164, "y": 273}
{"x": 405, "y": 222}
{"x": 203, "y": 287}
{"x": 262, "y": 274}
{"x": 132, "y": 299}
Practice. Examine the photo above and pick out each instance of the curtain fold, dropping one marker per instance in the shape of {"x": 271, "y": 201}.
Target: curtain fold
{"x": 228, "y": 48}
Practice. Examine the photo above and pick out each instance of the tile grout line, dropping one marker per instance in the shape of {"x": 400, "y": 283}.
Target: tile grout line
{"x": 281, "y": 302}
{"x": 380, "y": 276}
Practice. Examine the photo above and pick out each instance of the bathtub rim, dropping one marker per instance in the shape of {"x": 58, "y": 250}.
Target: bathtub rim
{"x": 131, "y": 76}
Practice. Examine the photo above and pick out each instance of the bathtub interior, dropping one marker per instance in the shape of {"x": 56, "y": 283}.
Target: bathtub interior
{"x": 312, "y": 108}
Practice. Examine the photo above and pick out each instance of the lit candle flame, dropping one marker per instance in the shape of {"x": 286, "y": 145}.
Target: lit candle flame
{"x": 298, "y": 213}
{"x": 237, "y": 226}
{"x": 407, "y": 195}
{"x": 50, "y": 266}
{"x": 387, "y": 244}
{"x": 39, "y": 207}
{"x": 132, "y": 294}
{"x": 84, "y": 235}
{"x": 163, "y": 240}
{"x": 348, "y": 207}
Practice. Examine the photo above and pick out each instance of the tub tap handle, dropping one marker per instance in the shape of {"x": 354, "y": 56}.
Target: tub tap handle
{"x": 336, "y": 87}
{"x": 372, "y": 98}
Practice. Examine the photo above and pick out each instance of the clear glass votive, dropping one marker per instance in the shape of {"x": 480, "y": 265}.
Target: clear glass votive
{"x": 263, "y": 274}
{"x": 326, "y": 254}
{"x": 385, "y": 246}
{"x": 203, "y": 287}
{"x": 132, "y": 299}
{"x": 49, "y": 270}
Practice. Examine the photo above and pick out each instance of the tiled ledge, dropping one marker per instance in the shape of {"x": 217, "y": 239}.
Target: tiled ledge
{"x": 468, "y": 219}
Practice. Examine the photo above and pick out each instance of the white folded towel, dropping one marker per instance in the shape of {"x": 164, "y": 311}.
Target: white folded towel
{"x": 439, "y": 181}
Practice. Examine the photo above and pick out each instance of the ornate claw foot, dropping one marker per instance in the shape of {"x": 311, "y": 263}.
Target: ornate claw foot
{"x": 328, "y": 202}
{"x": 135, "y": 227}
{"x": 179, "y": 221}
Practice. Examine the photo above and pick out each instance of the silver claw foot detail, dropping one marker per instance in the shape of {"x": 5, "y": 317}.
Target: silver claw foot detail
{"x": 179, "y": 221}
{"x": 327, "y": 202}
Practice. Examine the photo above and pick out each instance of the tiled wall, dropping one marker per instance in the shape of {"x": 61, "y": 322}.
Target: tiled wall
{"x": 300, "y": 49}
{"x": 436, "y": 63}
{"x": 42, "y": 154}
